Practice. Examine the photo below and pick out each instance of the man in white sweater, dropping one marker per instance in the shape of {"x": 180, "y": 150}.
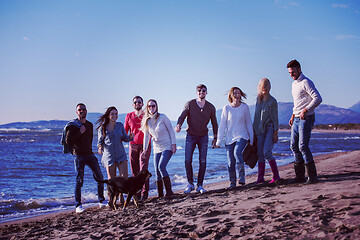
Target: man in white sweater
{"x": 306, "y": 99}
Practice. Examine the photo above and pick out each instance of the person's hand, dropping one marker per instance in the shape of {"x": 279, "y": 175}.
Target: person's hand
{"x": 177, "y": 128}
{"x": 100, "y": 150}
{"x": 276, "y": 137}
{"x": 82, "y": 129}
{"x": 173, "y": 148}
{"x": 131, "y": 135}
{"x": 213, "y": 143}
{"x": 291, "y": 121}
{"x": 302, "y": 114}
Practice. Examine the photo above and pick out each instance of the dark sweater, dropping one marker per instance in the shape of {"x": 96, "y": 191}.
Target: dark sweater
{"x": 198, "y": 118}
{"x": 81, "y": 143}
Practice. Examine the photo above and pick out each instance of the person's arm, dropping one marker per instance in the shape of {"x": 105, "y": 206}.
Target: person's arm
{"x": 124, "y": 136}
{"x": 169, "y": 128}
{"x": 275, "y": 120}
{"x": 182, "y": 117}
{"x": 126, "y": 123}
{"x": 315, "y": 96}
{"x": 214, "y": 127}
{"x": 72, "y": 134}
{"x": 146, "y": 140}
{"x": 100, "y": 143}
{"x": 248, "y": 125}
{"x": 222, "y": 127}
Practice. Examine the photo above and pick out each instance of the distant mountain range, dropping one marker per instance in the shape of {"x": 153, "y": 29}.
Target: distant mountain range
{"x": 325, "y": 114}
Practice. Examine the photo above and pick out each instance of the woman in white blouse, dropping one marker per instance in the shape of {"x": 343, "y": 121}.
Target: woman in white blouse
{"x": 236, "y": 129}
{"x": 158, "y": 126}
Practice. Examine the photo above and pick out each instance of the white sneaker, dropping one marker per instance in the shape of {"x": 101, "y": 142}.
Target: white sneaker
{"x": 189, "y": 188}
{"x": 79, "y": 209}
{"x": 200, "y": 189}
{"x": 103, "y": 204}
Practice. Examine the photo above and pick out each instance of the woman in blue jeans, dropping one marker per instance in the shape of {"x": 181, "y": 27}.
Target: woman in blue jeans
{"x": 158, "y": 126}
{"x": 236, "y": 128}
{"x": 266, "y": 126}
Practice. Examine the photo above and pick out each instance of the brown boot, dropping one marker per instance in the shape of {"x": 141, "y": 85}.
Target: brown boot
{"x": 167, "y": 184}
{"x": 160, "y": 188}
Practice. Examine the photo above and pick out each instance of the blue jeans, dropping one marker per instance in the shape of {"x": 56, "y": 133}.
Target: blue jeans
{"x": 90, "y": 160}
{"x": 161, "y": 160}
{"x": 202, "y": 143}
{"x": 234, "y": 154}
{"x": 300, "y": 138}
{"x": 265, "y": 144}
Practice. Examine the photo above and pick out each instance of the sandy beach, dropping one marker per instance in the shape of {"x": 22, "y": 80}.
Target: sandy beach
{"x": 329, "y": 209}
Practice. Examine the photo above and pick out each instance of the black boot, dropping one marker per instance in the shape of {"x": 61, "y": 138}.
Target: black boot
{"x": 299, "y": 168}
{"x": 167, "y": 184}
{"x": 160, "y": 188}
{"x": 311, "y": 172}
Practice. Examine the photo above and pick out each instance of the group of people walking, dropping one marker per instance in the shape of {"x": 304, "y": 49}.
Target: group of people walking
{"x": 236, "y": 130}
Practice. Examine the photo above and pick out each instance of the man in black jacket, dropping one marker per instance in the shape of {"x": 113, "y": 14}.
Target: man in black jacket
{"x": 80, "y": 140}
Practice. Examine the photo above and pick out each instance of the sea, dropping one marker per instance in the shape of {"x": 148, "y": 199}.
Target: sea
{"x": 37, "y": 178}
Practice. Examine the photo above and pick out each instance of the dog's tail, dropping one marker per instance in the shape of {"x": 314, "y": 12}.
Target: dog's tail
{"x": 100, "y": 181}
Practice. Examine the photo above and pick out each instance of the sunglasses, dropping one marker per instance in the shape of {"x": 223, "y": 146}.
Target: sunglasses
{"x": 139, "y": 102}
{"x": 152, "y": 106}
{"x": 202, "y": 90}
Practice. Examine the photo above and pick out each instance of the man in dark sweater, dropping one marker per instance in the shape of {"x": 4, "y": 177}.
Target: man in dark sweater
{"x": 80, "y": 140}
{"x": 198, "y": 113}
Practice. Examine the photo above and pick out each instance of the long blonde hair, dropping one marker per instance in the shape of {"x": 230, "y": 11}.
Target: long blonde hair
{"x": 264, "y": 82}
{"x": 148, "y": 115}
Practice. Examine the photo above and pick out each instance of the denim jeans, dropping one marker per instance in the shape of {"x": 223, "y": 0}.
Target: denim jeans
{"x": 300, "y": 138}
{"x": 234, "y": 154}
{"x": 265, "y": 144}
{"x": 161, "y": 160}
{"x": 202, "y": 143}
{"x": 90, "y": 160}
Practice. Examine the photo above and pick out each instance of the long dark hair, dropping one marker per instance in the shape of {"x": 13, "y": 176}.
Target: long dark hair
{"x": 104, "y": 120}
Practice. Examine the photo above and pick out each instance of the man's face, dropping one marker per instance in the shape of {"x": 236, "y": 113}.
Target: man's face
{"x": 138, "y": 104}
{"x": 202, "y": 93}
{"x": 294, "y": 72}
{"x": 81, "y": 111}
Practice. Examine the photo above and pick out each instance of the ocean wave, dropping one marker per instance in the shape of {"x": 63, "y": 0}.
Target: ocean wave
{"x": 25, "y": 130}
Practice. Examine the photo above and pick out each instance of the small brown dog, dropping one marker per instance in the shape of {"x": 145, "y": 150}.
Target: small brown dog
{"x": 131, "y": 186}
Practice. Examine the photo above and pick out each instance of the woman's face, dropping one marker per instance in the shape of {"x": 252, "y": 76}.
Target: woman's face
{"x": 237, "y": 94}
{"x": 113, "y": 115}
{"x": 265, "y": 89}
{"x": 152, "y": 107}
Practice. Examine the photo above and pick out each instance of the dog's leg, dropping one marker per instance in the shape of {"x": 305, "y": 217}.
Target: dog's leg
{"x": 136, "y": 200}
{"x": 111, "y": 202}
{"x": 114, "y": 199}
{"x": 127, "y": 201}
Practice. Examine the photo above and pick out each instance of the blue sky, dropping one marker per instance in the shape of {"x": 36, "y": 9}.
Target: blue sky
{"x": 54, "y": 54}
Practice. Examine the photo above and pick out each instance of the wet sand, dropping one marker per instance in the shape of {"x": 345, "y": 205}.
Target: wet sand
{"x": 329, "y": 209}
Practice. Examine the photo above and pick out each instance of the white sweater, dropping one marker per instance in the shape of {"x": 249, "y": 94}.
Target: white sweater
{"x": 305, "y": 95}
{"x": 162, "y": 133}
{"x": 235, "y": 123}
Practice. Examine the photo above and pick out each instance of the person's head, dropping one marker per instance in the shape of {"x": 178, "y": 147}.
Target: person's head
{"x": 150, "y": 112}
{"x": 111, "y": 115}
{"x": 264, "y": 87}
{"x": 201, "y": 91}
{"x": 138, "y": 103}
{"x": 81, "y": 111}
{"x": 151, "y": 107}
{"x": 294, "y": 69}
{"x": 235, "y": 93}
